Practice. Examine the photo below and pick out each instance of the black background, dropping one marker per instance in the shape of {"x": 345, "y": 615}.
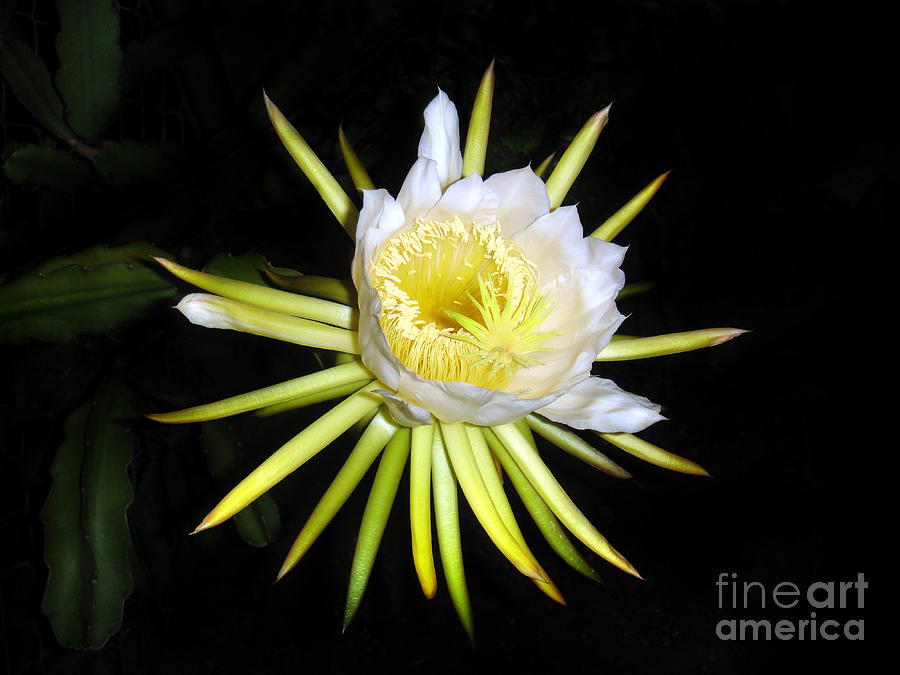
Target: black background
{"x": 778, "y": 195}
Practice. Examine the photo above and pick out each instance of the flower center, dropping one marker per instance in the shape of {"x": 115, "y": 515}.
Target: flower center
{"x": 460, "y": 303}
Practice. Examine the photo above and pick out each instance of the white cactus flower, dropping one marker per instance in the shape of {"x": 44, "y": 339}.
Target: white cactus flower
{"x": 481, "y": 308}
{"x": 479, "y": 304}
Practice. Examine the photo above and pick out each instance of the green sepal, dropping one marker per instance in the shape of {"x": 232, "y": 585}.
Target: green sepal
{"x": 338, "y": 290}
{"x": 547, "y": 523}
{"x": 259, "y": 523}
{"x": 637, "y": 288}
{"x": 446, "y": 520}
{"x": 375, "y": 517}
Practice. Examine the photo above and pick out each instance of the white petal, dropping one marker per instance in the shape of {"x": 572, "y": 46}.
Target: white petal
{"x": 600, "y": 405}
{"x": 379, "y": 218}
{"x": 522, "y": 198}
{"x": 201, "y": 309}
{"x": 584, "y": 314}
{"x": 581, "y": 278}
{"x": 453, "y": 402}
{"x": 421, "y": 190}
{"x": 380, "y": 211}
{"x": 555, "y": 243}
{"x": 469, "y": 200}
{"x": 405, "y": 413}
{"x": 440, "y": 140}
{"x": 375, "y": 352}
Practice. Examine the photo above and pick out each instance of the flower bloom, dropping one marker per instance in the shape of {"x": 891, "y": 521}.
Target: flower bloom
{"x": 479, "y": 304}
{"x": 482, "y": 308}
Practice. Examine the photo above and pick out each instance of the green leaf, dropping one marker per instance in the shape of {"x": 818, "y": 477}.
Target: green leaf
{"x": 127, "y": 163}
{"x": 30, "y": 80}
{"x": 7, "y": 23}
{"x": 88, "y": 293}
{"x": 164, "y": 50}
{"x": 87, "y": 541}
{"x": 89, "y": 64}
{"x": 136, "y": 253}
{"x": 244, "y": 267}
{"x": 47, "y": 166}
{"x": 259, "y": 523}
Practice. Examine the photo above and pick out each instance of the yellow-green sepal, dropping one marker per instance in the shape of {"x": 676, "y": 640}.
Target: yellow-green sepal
{"x": 549, "y": 525}
{"x": 214, "y": 311}
{"x": 271, "y": 299}
{"x": 653, "y": 454}
{"x": 544, "y": 166}
{"x": 670, "y": 343}
{"x": 420, "y": 507}
{"x": 617, "y": 221}
{"x": 338, "y": 290}
{"x": 492, "y": 480}
{"x": 372, "y": 441}
{"x": 464, "y": 466}
{"x": 307, "y": 385}
{"x": 375, "y": 517}
{"x": 574, "y": 158}
{"x": 446, "y": 520}
{"x": 358, "y": 173}
{"x": 328, "y": 188}
{"x": 479, "y": 126}
{"x": 576, "y": 446}
{"x": 556, "y": 498}
{"x": 294, "y": 453}
{"x": 311, "y": 399}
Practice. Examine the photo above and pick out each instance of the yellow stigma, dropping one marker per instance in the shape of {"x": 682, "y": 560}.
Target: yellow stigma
{"x": 460, "y": 302}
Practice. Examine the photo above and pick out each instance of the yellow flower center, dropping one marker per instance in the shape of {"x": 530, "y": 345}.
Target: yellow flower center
{"x": 460, "y": 302}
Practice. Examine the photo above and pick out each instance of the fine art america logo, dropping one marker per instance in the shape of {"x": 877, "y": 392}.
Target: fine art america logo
{"x": 774, "y": 610}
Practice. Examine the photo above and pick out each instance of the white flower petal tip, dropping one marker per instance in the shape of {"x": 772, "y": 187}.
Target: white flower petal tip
{"x": 600, "y": 405}
{"x": 440, "y": 139}
{"x": 201, "y": 309}
{"x": 403, "y": 412}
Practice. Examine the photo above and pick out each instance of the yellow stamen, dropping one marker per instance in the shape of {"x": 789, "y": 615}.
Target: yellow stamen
{"x": 460, "y": 302}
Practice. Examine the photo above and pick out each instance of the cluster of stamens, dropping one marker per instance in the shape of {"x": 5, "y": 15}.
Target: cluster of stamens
{"x": 460, "y": 302}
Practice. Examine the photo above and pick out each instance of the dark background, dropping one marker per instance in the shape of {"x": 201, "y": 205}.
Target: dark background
{"x": 779, "y": 187}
